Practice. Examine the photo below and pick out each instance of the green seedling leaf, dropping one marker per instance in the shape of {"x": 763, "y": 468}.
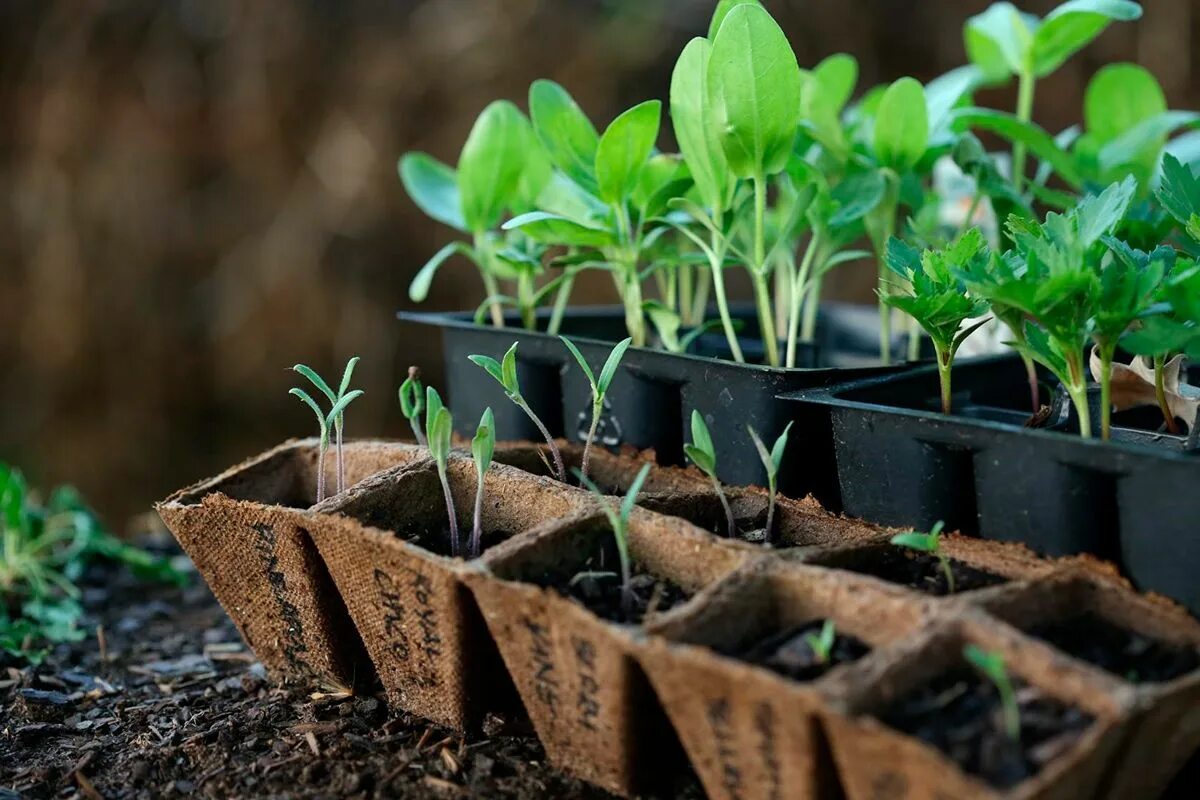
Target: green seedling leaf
{"x": 701, "y": 450}
{"x": 340, "y": 406}
{"x": 822, "y": 644}
{"x": 483, "y": 445}
{"x": 773, "y": 458}
{"x": 1072, "y": 26}
{"x": 508, "y": 369}
{"x": 991, "y": 665}
{"x": 316, "y": 409}
{"x": 565, "y": 131}
{"x": 556, "y": 229}
{"x": 610, "y": 366}
{"x": 347, "y": 374}
{"x": 998, "y": 40}
{"x": 412, "y": 394}
{"x": 902, "y": 125}
{"x": 695, "y": 127}
{"x": 754, "y": 91}
{"x": 635, "y": 488}
{"x": 1119, "y": 97}
{"x": 667, "y": 323}
{"x": 1098, "y": 215}
{"x": 1039, "y": 142}
{"x": 623, "y": 150}
{"x": 433, "y": 186}
{"x": 721, "y": 12}
{"x": 921, "y": 542}
{"x": 317, "y": 381}
{"x": 418, "y": 290}
{"x": 490, "y": 365}
{"x": 1127, "y": 147}
{"x": 856, "y": 196}
{"x": 583, "y": 365}
{"x": 491, "y": 165}
{"x": 1179, "y": 191}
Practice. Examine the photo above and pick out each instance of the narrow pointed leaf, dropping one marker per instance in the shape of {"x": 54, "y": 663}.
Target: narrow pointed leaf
{"x": 583, "y": 365}
{"x": 610, "y": 366}
{"x": 316, "y": 380}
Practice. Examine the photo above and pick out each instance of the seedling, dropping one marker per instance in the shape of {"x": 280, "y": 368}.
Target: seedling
{"x": 439, "y": 425}
{"x": 704, "y": 455}
{"x": 771, "y": 461}
{"x": 505, "y": 373}
{"x": 618, "y": 520}
{"x": 335, "y": 419}
{"x": 991, "y": 665}
{"x": 482, "y": 448}
{"x": 822, "y": 644}
{"x": 930, "y": 543}
{"x": 412, "y": 402}
{"x": 599, "y": 388}
{"x": 937, "y": 298}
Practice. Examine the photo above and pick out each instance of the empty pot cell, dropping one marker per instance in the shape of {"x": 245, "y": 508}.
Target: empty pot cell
{"x": 741, "y": 680}
{"x": 613, "y": 473}
{"x": 932, "y": 724}
{"x": 262, "y": 566}
{"x": 1136, "y": 640}
{"x": 386, "y": 543}
{"x": 574, "y": 668}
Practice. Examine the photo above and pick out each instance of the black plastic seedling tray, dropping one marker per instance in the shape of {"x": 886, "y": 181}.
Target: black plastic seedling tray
{"x": 650, "y": 403}
{"x": 1134, "y": 500}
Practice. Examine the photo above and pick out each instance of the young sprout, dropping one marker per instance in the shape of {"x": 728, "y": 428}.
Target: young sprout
{"x": 482, "y": 447}
{"x": 338, "y": 402}
{"x": 412, "y": 402}
{"x": 991, "y": 664}
{"x": 439, "y": 425}
{"x": 505, "y": 373}
{"x": 704, "y": 455}
{"x": 822, "y": 643}
{"x": 930, "y": 543}
{"x": 618, "y": 520}
{"x": 599, "y": 388}
{"x": 771, "y": 460}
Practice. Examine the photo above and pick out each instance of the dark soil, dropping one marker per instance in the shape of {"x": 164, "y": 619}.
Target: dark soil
{"x": 438, "y": 542}
{"x": 1129, "y": 655}
{"x": 959, "y": 713}
{"x": 919, "y": 571}
{"x": 789, "y": 653}
{"x": 176, "y": 706}
{"x": 600, "y": 592}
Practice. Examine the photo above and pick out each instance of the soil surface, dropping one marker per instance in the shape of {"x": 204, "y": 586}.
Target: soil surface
{"x": 1126, "y": 654}
{"x": 920, "y": 571}
{"x": 960, "y": 714}
{"x": 172, "y": 704}
{"x": 600, "y": 592}
{"x": 790, "y": 654}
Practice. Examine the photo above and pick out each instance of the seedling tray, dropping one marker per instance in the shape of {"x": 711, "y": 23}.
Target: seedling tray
{"x": 1131, "y": 501}
{"x": 650, "y": 403}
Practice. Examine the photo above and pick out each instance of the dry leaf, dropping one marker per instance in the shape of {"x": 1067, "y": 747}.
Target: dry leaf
{"x": 1133, "y": 386}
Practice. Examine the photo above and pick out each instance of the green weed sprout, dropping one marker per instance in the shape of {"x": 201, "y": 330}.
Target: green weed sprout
{"x": 439, "y": 425}
{"x": 991, "y": 665}
{"x": 505, "y": 373}
{"x": 618, "y": 520}
{"x": 482, "y": 448}
{"x": 335, "y": 419}
{"x": 599, "y": 388}
{"x": 412, "y": 402}
{"x": 704, "y": 455}
{"x": 930, "y": 543}
{"x": 822, "y": 643}
{"x": 771, "y": 460}
{"x": 935, "y": 296}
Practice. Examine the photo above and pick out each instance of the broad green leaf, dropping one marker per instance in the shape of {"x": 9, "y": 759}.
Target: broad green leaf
{"x": 508, "y": 369}
{"x": 857, "y": 196}
{"x": 837, "y": 76}
{"x": 998, "y": 41}
{"x": 536, "y": 173}
{"x": 433, "y": 400}
{"x": 922, "y": 542}
{"x": 1040, "y": 143}
{"x": 610, "y": 366}
{"x": 565, "y": 131}
{"x": 946, "y": 92}
{"x": 433, "y": 186}
{"x": 1072, "y": 26}
{"x": 1119, "y": 97}
{"x": 902, "y": 125}
{"x": 700, "y": 435}
{"x": 583, "y": 364}
{"x": 721, "y": 12}
{"x": 754, "y": 89}
{"x": 701, "y": 458}
{"x": 566, "y": 198}
{"x": 695, "y": 128}
{"x": 659, "y": 172}
{"x": 490, "y": 365}
{"x": 1127, "y": 147}
{"x": 558, "y": 230}
{"x": 624, "y": 148}
{"x": 418, "y": 290}
{"x": 490, "y": 166}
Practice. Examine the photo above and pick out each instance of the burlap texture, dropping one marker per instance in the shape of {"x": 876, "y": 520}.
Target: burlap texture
{"x": 244, "y": 531}
{"x": 420, "y": 625}
{"x": 750, "y": 733}
{"x": 577, "y": 675}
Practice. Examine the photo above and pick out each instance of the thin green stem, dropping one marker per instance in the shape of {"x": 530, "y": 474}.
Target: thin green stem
{"x": 699, "y": 296}
{"x": 321, "y": 471}
{"x": 729, "y": 519}
{"x": 945, "y": 361}
{"x": 483, "y": 252}
{"x": 808, "y": 328}
{"x": 525, "y": 299}
{"x": 766, "y": 324}
{"x": 338, "y": 425}
{"x": 597, "y": 408}
{"x": 477, "y": 524}
{"x": 687, "y": 275}
{"x": 948, "y": 571}
{"x": 561, "y": 299}
{"x": 559, "y": 470}
{"x": 797, "y": 297}
{"x": 450, "y": 514}
{"x": 1107, "y": 354}
{"x": 717, "y": 259}
{"x": 770, "y": 529}
{"x": 1160, "y": 394}
{"x": 1025, "y": 88}
{"x": 758, "y": 271}
{"x": 1077, "y": 389}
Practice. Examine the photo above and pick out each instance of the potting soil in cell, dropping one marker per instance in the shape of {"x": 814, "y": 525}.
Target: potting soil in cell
{"x": 790, "y": 653}
{"x": 1128, "y": 655}
{"x": 921, "y": 571}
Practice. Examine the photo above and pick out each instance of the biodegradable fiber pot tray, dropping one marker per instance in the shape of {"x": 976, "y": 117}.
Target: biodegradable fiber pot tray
{"x": 386, "y": 545}
{"x": 1132, "y": 501}
{"x": 574, "y": 664}
{"x": 245, "y": 532}
{"x": 649, "y": 405}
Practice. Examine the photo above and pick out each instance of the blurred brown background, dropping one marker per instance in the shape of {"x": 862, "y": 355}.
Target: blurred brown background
{"x": 196, "y": 194}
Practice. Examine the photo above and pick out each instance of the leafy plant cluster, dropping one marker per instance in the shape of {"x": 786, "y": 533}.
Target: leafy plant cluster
{"x": 783, "y": 174}
{"x": 45, "y": 547}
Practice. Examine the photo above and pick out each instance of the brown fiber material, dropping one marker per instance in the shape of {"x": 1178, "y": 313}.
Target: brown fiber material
{"x": 751, "y": 733}
{"x": 419, "y": 623}
{"x": 1165, "y": 730}
{"x": 581, "y": 685}
{"x": 877, "y": 761}
{"x": 244, "y": 532}
{"x": 611, "y": 472}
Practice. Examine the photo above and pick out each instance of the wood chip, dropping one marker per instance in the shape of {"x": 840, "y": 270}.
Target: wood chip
{"x": 311, "y": 738}
{"x": 450, "y": 761}
{"x": 86, "y": 788}
{"x": 444, "y": 785}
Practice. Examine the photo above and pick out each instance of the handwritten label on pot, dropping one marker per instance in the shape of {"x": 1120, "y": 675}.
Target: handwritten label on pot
{"x": 545, "y": 675}
{"x": 293, "y": 628}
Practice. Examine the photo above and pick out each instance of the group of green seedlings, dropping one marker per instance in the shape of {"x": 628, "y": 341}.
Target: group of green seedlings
{"x": 781, "y": 175}
{"x": 45, "y": 548}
